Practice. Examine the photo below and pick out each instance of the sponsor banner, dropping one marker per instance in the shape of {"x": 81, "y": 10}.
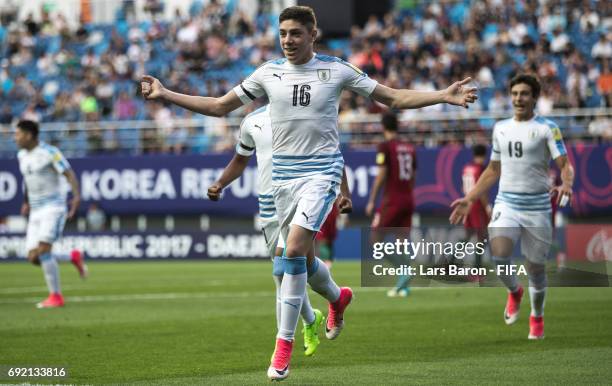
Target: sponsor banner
{"x": 147, "y": 246}
{"x": 163, "y": 184}
{"x": 589, "y": 242}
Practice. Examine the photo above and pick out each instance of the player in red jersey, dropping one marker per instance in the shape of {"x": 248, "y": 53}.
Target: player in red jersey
{"x": 477, "y": 219}
{"x": 326, "y": 236}
{"x": 397, "y": 164}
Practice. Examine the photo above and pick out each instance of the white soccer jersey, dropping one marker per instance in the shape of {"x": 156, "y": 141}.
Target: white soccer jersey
{"x": 525, "y": 149}
{"x": 304, "y": 113}
{"x": 42, "y": 169}
{"x": 256, "y": 136}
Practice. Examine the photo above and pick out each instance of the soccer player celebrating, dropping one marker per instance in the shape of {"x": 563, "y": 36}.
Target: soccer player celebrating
{"x": 522, "y": 149}
{"x": 256, "y": 136}
{"x": 42, "y": 166}
{"x": 304, "y": 89}
{"x": 396, "y": 160}
{"x": 476, "y": 221}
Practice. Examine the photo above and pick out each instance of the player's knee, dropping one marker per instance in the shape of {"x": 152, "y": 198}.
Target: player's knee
{"x": 501, "y": 247}
{"x": 44, "y": 248}
{"x": 292, "y": 252}
{"x": 33, "y": 257}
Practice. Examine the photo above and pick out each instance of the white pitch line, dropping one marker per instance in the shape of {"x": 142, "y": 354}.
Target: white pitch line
{"x": 180, "y": 295}
{"x": 28, "y": 290}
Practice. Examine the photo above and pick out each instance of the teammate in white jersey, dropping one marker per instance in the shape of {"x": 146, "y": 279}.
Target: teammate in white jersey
{"x": 256, "y": 136}
{"x": 304, "y": 89}
{"x": 43, "y": 166}
{"x": 522, "y": 149}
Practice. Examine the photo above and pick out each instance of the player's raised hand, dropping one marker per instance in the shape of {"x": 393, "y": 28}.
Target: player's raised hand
{"x": 461, "y": 93}
{"x": 563, "y": 193}
{"x": 345, "y": 204}
{"x": 151, "y": 87}
{"x": 461, "y": 208}
{"x": 214, "y": 191}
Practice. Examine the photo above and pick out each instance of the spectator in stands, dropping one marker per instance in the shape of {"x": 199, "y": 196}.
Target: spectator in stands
{"x": 125, "y": 107}
{"x": 603, "y": 48}
{"x": 432, "y": 43}
{"x": 6, "y": 114}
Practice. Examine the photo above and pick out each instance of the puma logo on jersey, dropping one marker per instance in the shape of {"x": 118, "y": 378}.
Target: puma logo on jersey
{"x": 279, "y": 76}
{"x": 259, "y": 127}
{"x": 304, "y": 214}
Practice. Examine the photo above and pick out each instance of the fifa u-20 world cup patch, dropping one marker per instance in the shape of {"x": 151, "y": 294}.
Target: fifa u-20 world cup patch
{"x": 380, "y": 158}
{"x": 557, "y": 134}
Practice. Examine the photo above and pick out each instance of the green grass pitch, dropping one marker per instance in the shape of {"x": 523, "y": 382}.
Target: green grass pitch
{"x": 176, "y": 323}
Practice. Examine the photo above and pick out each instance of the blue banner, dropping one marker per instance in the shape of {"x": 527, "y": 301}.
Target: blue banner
{"x": 170, "y": 184}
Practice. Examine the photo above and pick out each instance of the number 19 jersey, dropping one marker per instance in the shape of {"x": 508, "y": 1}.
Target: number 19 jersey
{"x": 304, "y": 103}
{"x": 525, "y": 149}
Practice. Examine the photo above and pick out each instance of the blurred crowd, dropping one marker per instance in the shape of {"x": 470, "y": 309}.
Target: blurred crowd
{"x": 51, "y": 71}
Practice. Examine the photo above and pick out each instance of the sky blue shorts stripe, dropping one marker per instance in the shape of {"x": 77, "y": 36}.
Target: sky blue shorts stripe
{"x": 331, "y": 196}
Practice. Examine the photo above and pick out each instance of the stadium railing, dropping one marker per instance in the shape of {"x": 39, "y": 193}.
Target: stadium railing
{"x": 201, "y": 135}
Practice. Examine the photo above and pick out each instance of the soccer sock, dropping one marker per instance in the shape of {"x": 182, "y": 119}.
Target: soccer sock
{"x": 509, "y": 280}
{"x": 321, "y": 282}
{"x": 537, "y": 293}
{"x": 51, "y": 271}
{"x": 403, "y": 282}
{"x": 277, "y": 276}
{"x": 293, "y": 289}
{"x": 61, "y": 257}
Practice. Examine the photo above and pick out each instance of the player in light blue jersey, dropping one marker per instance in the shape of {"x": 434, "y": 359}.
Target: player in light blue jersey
{"x": 256, "y": 137}
{"x": 43, "y": 166}
{"x": 304, "y": 90}
{"x": 522, "y": 149}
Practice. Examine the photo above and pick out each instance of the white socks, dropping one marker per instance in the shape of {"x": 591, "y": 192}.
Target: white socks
{"x": 321, "y": 282}
{"x": 292, "y": 292}
{"x": 51, "y": 272}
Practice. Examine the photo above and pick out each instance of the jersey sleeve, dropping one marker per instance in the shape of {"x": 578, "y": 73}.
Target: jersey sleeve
{"x": 554, "y": 141}
{"x": 381, "y": 155}
{"x": 246, "y": 144}
{"x": 252, "y": 87}
{"x": 356, "y": 80}
{"x": 60, "y": 164}
{"x": 495, "y": 151}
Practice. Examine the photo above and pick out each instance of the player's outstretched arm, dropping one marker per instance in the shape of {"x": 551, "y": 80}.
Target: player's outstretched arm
{"x": 461, "y": 206}
{"x": 215, "y": 107}
{"x": 456, "y": 94}
{"x": 76, "y": 192}
{"x": 564, "y": 192}
{"x": 232, "y": 171}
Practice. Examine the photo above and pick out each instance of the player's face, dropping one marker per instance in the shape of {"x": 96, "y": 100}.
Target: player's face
{"x": 22, "y": 138}
{"x": 296, "y": 41}
{"x": 522, "y": 101}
